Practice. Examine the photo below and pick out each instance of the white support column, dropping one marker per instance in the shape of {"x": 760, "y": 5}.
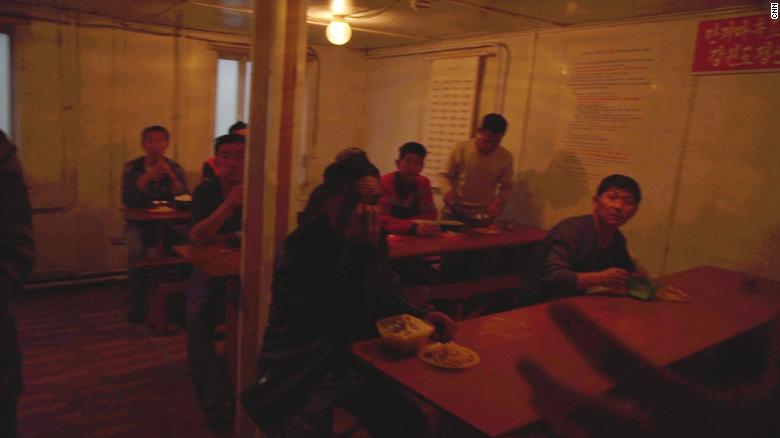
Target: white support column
{"x": 274, "y": 110}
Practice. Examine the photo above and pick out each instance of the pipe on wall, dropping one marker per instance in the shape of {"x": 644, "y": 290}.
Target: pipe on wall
{"x": 499, "y": 50}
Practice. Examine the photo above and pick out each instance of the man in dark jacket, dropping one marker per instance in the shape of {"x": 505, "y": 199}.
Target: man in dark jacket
{"x": 216, "y": 214}
{"x": 585, "y": 251}
{"x": 331, "y": 283}
{"x": 16, "y": 261}
{"x": 148, "y": 178}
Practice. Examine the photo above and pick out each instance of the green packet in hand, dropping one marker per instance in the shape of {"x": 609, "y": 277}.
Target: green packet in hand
{"x": 643, "y": 288}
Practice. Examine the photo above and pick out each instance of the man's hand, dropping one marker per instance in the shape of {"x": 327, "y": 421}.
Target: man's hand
{"x": 494, "y": 209}
{"x": 235, "y": 197}
{"x": 363, "y": 226}
{"x": 426, "y": 229}
{"x": 153, "y": 173}
{"x": 445, "y": 326}
{"x": 653, "y": 401}
{"x": 164, "y": 168}
{"x": 614, "y": 277}
{"x": 449, "y": 198}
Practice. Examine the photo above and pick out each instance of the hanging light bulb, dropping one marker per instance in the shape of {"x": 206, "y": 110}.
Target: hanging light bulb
{"x": 338, "y": 7}
{"x": 338, "y": 31}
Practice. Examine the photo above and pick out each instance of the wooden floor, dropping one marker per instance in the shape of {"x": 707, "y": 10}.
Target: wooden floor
{"x": 88, "y": 373}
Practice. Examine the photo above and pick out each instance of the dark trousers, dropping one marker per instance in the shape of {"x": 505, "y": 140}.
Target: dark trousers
{"x": 379, "y": 407}
{"x": 10, "y": 375}
{"x": 205, "y": 311}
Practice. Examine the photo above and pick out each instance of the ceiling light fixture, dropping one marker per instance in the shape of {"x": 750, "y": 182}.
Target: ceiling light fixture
{"x": 338, "y": 31}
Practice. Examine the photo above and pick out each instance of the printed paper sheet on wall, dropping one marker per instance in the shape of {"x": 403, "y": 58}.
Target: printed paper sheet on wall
{"x": 607, "y": 95}
{"x": 450, "y": 110}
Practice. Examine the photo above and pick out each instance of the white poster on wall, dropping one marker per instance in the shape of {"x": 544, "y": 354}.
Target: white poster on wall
{"x": 607, "y": 94}
{"x": 448, "y": 117}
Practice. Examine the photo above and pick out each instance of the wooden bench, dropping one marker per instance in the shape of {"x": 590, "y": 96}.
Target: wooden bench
{"x": 165, "y": 275}
{"x": 462, "y": 290}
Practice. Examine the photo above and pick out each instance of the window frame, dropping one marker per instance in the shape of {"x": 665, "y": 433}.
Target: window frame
{"x": 243, "y": 87}
{"x": 12, "y": 116}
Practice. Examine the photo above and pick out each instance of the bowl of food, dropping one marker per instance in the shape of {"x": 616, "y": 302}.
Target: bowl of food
{"x": 183, "y": 202}
{"x": 449, "y": 225}
{"x": 404, "y": 333}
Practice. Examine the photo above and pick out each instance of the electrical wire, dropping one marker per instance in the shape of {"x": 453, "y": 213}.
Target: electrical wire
{"x": 372, "y": 12}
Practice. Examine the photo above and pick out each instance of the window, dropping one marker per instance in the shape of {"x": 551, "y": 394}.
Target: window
{"x": 234, "y": 75}
{"x": 5, "y": 83}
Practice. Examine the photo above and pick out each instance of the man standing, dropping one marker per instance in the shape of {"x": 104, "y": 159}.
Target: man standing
{"x": 585, "y": 251}
{"x": 151, "y": 177}
{"x": 17, "y": 256}
{"x": 216, "y": 212}
{"x": 478, "y": 175}
{"x": 331, "y": 283}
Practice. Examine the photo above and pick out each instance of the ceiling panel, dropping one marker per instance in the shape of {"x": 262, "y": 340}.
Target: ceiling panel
{"x": 383, "y": 23}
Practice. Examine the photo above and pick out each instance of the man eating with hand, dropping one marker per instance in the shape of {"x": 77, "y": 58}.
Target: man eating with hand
{"x": 585, "y": 251}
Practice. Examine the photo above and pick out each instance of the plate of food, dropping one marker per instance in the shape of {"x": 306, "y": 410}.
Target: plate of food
{"x": 486, "y": 230}
{"x": 161, "y": 209}
{"x": 448, "y": 355}
{"x": 449, "y": 225}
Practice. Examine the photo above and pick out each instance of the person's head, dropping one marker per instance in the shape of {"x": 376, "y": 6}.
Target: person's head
{"x": 154, "y": 140}
{"x": 348, "y": 183}
{"x": 238, "y": 128}
{"x": 229, "y": 158}
{"x": 490, "y": 133}
{"x": 351, "y": 153}
{"x": 617, "y": 200}
{"x": 411, "y": 159}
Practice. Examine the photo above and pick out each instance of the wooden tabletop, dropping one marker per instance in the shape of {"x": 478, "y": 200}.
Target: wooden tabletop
{"x": 495, "y": 399}
{"x": 449, "y": 242}
{"x": 144, "y": 215}
{"x": 214, "y": 260}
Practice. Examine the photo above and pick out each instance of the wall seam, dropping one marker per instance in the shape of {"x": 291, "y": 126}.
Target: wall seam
{"x": 678, "y": 180}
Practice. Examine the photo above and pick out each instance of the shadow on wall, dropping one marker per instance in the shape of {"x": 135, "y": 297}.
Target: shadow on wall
{"x": 559, "y": 186}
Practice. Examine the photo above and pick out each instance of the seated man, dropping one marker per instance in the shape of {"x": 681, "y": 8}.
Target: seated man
{"x": 331, "y": 283}
{"x": 407, "y": 195}
{"x": 216, "y": 211}
{"x": 17, "y": 257}
{"x": 209, "y": 166}
{"x": 585, "y": 251}
{"x": 151, "y": 177}
{"x": 316, "y": 201}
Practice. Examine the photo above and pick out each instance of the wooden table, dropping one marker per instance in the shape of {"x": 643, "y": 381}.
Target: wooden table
{"x": 214, "y": 260}
{"x": 449, "y": 242}
{"x": 221, "y": 261}
{"x": 493, "y": 397}
{"x": 160, "y": 219}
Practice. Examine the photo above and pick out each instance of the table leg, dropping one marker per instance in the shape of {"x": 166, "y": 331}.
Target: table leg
{"x": 232, "y": 286}
{"x": 160, "y": 239}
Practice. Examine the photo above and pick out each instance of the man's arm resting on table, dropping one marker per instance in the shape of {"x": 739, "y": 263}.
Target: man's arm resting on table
{"x": 207, "y": 229}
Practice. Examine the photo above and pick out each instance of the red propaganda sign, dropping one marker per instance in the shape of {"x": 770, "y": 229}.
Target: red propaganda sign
{"x": 737, "y": 45}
